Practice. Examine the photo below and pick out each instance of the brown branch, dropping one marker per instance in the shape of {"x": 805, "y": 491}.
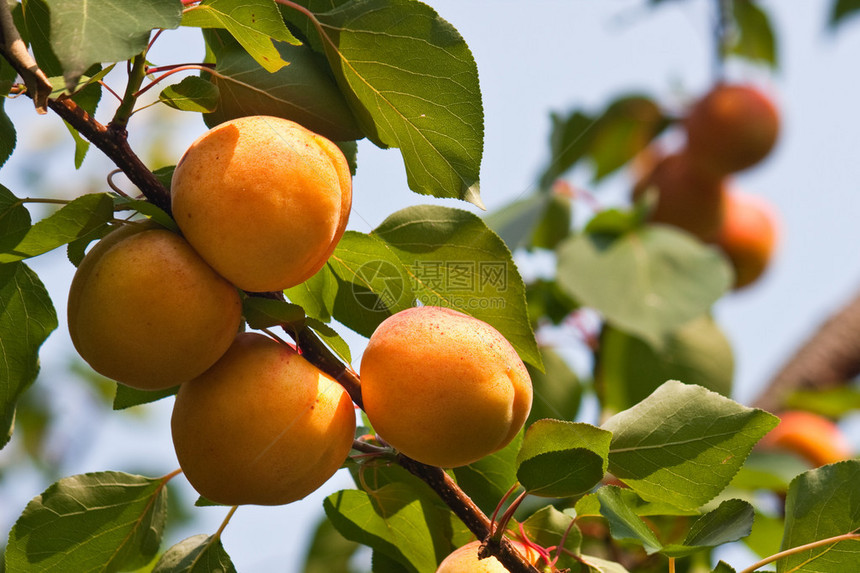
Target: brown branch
{"x": 828, "y": 359}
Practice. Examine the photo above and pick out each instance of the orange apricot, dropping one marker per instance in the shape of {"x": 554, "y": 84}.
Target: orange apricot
{"x": 813, "y": 437}
{"x": 464, "y": 559}
{"x": 443, "y": 387}
{"x": 748, "y": 236}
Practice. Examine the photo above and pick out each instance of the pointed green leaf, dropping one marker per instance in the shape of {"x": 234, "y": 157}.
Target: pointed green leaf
{"x": 723, "y": 567}
{"x": 823, "y": 503}
{"x": 697, "y": 353}
{"x": 27, "y": 317}
{"x": 390, "y": 520}
{"x": 191, "y": 94}
{"x": 14, "y": 220}
{"x": 730, "y": 521}
{"x": 413, "y": 84}
{"x": 126, "y": 396}
{"x": 83, "y": 34}
{"x": 648, "y": 282}
{"x": 841, "y": 11}
{"x": 598, "y": 565}
{"x": 265, "y": 313}
{"x": 559, "y": 459}
{"x": 197, "y": 554}
{"x": 254, "y": 24}
{"x": 623, "y": 521}
{"x": 305, "y": 91}
{"x": 105, "y": 521}
{"x": 85, "y": 215}
{"x": 755, "y": 38}
{"x": 683, "y": 444}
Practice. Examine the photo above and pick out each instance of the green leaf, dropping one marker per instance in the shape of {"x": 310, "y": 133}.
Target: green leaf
{"x": 265, "y": 313}
{"x": 557, "y": 391}
{"x": 146, "y": 208}
{"x": 428, "y": 106}
{"x": 627, "y": 126}
{"x": 487, "y": 480}
{"x": 27, "y": 317}
{"x": 540, "y": 221}
{"x": 697, "y": 353}
{"x": 37, "y": 33}
{"x": 570, "y": 139}
{"x": 435, "y": 255}
{"x": 560, "y": 459}
{"x": 598, "y": 565}
{"x": 730, "y": 521}
{"x": 755, "y": 39}
{"x": 305, "y": 91}
{"x": 254, "y": 24}
{"x": 197, "y": 554}
{"x": 683, "y": 444}
{"x": 316, "y": 295}
{"x": 841, "y": 11}
{"x": 332, "y": 339}
{"x": 723, "y": 567}
{"x": 86, "y": 215}
{"x": 328, "y": 551}
{"x": 105, "y": 521}
{"x": 391, "y": 520}
{"x": 830, "y": 402}
{"x": 823, "y": 503}
{"x": 126, "y": 396}
{"x": 623, "y": 521}
{"x": 648, "y": 282}
{"x": 8, "y": 137}
{"x": 105, "y": 31}
{"x": 191, "y": 94}
{"x": 14, "y": 220}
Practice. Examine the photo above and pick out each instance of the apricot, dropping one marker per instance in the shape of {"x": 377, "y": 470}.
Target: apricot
{"x": 145, "y": 310}
{"x": 688, "y": 197}
{"x": 731, "y": 128}
{"x": 262, "y": 426}
{"x": 464, "y": 559}
{"x": 442, "y": 387}
{"x": 748, "y": 236}
{"x": 813, "y": 437}
{"x": 263, "y": 200}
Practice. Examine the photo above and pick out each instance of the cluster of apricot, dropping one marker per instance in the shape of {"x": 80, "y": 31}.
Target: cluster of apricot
{"x": 261, "y": 203}
{"x": 731, "y": 128}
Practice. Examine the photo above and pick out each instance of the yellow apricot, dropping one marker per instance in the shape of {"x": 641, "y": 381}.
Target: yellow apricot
{"x": 465, "y": 559}
{"x": 145, "y": 310}
{"x": 263, "y": 200}
{"x": 442, "y": 387}
{"x": 262, "y": 426}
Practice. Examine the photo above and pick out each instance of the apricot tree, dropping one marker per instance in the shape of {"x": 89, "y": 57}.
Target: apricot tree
{"x": 252, "y": 220}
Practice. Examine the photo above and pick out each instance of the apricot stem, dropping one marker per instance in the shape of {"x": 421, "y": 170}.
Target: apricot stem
{"x": 801, "y": 548}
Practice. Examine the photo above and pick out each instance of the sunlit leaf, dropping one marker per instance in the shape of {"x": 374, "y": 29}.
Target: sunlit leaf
{"x": 623, "y": 521}
{"x": 823, "y": 503}
{"x": 83, "y": 34}
{"x": 27, "y": 317}
{"x": 683, "y": 444}
{"x": 105, "y": 521}
{"x": 413, "y": 84}
{"x": 191, "y": 94}
{"x": 197, "y": 554}
{"x": 88, "y": 214}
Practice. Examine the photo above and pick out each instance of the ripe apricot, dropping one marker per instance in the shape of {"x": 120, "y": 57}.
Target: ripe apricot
{"x": 748, "y": 236}
{"x": 262, "y": 426}
{"x": 688, "y": 197}
{"x": 443, "y": 387}
{"x": 145, "y": 310}
{"x": 464, "y": 559}
{"x": 813, "y": 437}
{"x": 731, "y": 128}
{"x": 263, "y": 200}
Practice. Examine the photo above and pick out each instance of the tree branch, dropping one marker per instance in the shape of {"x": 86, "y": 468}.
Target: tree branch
{"x": 828, "y": 359}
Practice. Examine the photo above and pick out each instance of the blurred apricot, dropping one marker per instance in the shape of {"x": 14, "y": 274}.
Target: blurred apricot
{"x": 813, "y": 437}
{"x": 748, "y": 236}
{"x": 731, "y": 128}
{"x": 465, "y": 559}
{"x": 688, "y": 197}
